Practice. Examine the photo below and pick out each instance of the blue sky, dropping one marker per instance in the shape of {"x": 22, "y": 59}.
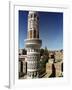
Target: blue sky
{"x": 50, "y": 29}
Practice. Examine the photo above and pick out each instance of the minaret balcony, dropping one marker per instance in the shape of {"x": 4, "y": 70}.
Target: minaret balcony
{"x": 36, "y": 43}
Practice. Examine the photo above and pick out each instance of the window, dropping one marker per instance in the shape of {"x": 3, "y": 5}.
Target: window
{"x": 38, "y": 34}
{"x": 34, "y": 15}
{"x": 31, "y": 24}
{"x": 21, "y": 66}
{"x": 31, "y": 16}
{"x": 30, "y": 33}
{"x": 38, "y": 18}
{"x": 34, "y": 34}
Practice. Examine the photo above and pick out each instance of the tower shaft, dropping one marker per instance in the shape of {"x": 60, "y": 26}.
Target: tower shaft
{"x": 33, "y": 44}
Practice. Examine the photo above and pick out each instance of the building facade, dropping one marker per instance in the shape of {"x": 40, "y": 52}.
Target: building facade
{"x": 22, "y": 65}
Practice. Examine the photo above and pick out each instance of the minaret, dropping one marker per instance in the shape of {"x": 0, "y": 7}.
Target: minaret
{"x": 33, "y": 44}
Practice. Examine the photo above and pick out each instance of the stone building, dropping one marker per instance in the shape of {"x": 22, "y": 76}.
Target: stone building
{"x": 58, "y": 56}
{"x": 51, "y": 57}
{"x": 54, "y": 67}
{"x": 22, "y": 66}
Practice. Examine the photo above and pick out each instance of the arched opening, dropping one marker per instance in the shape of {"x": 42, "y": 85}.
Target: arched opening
{"x": 30, "y": 33}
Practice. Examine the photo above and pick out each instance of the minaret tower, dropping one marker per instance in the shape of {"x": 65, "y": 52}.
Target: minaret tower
{"x": 33, "y": 44}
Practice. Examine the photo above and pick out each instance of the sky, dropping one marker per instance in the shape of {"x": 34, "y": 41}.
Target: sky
{"x": 50, "y": 29}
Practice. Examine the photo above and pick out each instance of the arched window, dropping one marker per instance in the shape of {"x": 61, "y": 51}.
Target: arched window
{"x": 34, "y": 15}
{"x": 38, "y": 34}
{"x": 34, "y": 33}
{"x": 30, "y": 33}
{"x": 31, "y": 16}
